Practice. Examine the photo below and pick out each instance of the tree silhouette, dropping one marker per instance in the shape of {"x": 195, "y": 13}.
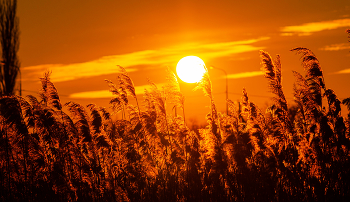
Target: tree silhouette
{"x": 9, "y": 40}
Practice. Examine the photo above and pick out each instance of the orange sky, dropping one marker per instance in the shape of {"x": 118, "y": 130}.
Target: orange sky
{"x": 81, "y": 42}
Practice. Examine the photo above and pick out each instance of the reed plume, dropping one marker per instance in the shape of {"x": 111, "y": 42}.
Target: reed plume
{"x": 81, "y": 120}
{"x": 273, "y": 73}
{"x": 127, "y": 85}
{"x": 11, "y": 114}
{"x": 255, "y": 122}
{"x": 120, "y": 101}
{"x": 308, "y": 90}
{"x": 126, "y": 82}
{"x": 96, "y": 119}
{"x": 206, "y": 86}
{"x": 173, "y": 92}
{"x": 158, "y": 100}
{"x": 49, "y": 94}
{"x": 314, "y": 75}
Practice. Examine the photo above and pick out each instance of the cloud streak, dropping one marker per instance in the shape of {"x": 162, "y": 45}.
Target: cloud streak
{"x": 107, "y": 64}
{"x": 310, "y": 28}
{"x": 245, "y": 75}
{"x": 92, "y": 94}
{"x": 344, "y": 71}
{"x": 141, "y": 89}
{"x": 336, "y": 47}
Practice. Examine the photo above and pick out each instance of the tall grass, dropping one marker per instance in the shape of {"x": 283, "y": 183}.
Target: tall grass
{"x": 288, "y": 153}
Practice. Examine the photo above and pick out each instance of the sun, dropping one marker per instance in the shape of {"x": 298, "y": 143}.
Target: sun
{"x": 190, "y": 69}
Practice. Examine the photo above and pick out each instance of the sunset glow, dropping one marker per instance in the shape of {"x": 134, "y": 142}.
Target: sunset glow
{"x": 107, "y": 64}
{"x": 190, "y": 69}
{"x": 83, "y": 45}
{"x": 174, "y": 100}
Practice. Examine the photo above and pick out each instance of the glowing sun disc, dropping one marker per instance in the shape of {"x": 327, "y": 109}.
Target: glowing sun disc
{"x": 190, "y": 69}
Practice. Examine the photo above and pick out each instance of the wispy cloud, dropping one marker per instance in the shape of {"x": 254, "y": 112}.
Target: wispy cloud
{"x": 344, "y": 71}
{"x": 310, "y": 28}
{"x": 336, "y": 47}
{"x": 163, "y": 57}
{"x": 245, "y": 75}
{"x": 92, "y": 94}
{"x": 139, "y": 90}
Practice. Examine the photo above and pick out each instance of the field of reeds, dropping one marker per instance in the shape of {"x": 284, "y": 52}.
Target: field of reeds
{"x": 295, "y": 152}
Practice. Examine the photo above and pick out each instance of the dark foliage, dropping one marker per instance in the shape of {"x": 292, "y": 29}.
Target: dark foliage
{"x": 289, "y": 153}
{"x": 9, "y": 41}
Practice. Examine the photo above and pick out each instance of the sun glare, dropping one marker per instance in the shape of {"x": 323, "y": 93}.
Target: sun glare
{"x": 190, "y": 69}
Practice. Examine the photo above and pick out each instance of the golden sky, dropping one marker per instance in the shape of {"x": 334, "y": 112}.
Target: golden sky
{"x": 82, "y": 41}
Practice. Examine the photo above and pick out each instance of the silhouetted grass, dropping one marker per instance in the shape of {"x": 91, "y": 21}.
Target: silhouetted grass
{"x": 288, "y": 153}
